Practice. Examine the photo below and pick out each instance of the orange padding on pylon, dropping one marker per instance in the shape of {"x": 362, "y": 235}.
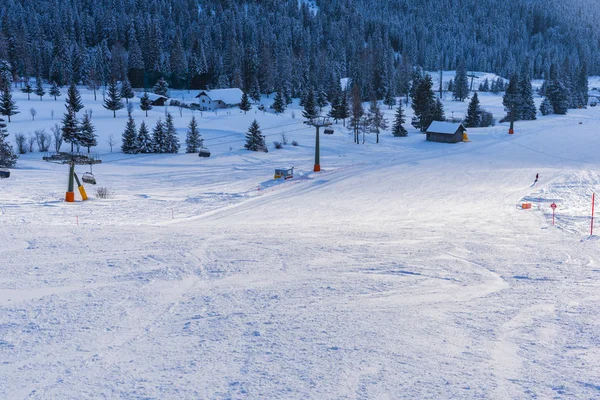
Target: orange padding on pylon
{"x": 70, "y": 197}
{"x": 525, "y": 206}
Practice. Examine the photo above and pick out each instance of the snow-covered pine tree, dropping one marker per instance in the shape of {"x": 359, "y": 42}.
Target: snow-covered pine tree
{"x": 279, "y": 103}
{"x": 126, "y": 90}
{"x": 424, "y": 103}
{"x": 512, "y": 99}
{"x": 376, "y": 119}
{"x": 74, "y": 99}
{"x": 255, "y": 91}
{"x": 461, "y": 82}
{"x": 193, "y": 140}
{"x": 145, "y": 103}
{"x": 54, "y": 90}
{"x": 245, "y": 105}
{"x": 321, "y": 99}
{"x": 161, "y": 87}
{"x": 8, "y": 106}
{"x": 389, "y": 99}
{"x": 473, "y": 119}
{"x": 129, "y": 138}
{"x": 70, "y": 128}
{"x": 39, "y": 89}
{"x": 557, "y": 94}
{"x": 143, "y": 141}
{"x": 546, "y": 107}
{"x": 8, "y": 157}
{"x": 159, "y": 138}
{"x": 113, "y": 100}
{"x": 255, "y": 141}
{"x": 527, "y": 109}
{"x": 397, "y": 129}
{"x": 27, "y": 89}
{"x": 310, "y": 111}
{"x": 171, "y": 139}
{"x": 88, "y": 135}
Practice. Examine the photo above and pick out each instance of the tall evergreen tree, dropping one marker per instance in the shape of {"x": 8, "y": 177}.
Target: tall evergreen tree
{"x": 126, "y": 90}
{"x": 398, "y": 129}
{"x": 512, "y": 99}
{"x": 424, "y": 104}
{"x": 161, "y": 87}
{"x": 88, "y": 135}
{"x": 8, "y": 106}
{"x": 193, "y": 140}
{"x": 39, "y": 89}
{"x": 255, "y": 141}
{"x": 378, "y": 122}
{"x": 71, "y": 131}
{"x": 310, "y": 111}
{"x": 461, "y": 83}
{"x": 171, "y": 139}
{"x": 145, "y": 103}
{"x": 74, "y": 99}
{"x": 473, "y": 119}
{"x": 279, "y": 103}
{"x": 245, "y": 103}
{"x": 527, "y": 109}
{"x": 546, "y": 107}
{"x": 557, "y": 94}
{"x": 54, "y": 90}
{"x": 113, "y": 100}
{"x": 159, "y": 142}
{"x": 143, "y": 141}
{"x": 27, "y": 89}
{"x": 8, "y": 157}
{"x": 389, "y": 99}
{"x": 129, "y": 138}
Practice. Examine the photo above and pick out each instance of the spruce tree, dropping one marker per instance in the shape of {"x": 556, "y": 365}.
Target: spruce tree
{"x": 54, "y": 90}
{"x": 389, "y": 99}
{"x": 279, "y": 103}
{"x": 126, "y": 90}
{"x": 8, "y": 157}
{"x": 473, "y": 119}
{"x": 461, "y": 83}
{"x": 158, "y": 137}
{"x": 161, "y": 87}
{"x": 88, "y": 135}
{"x": 171, "y": 139}
{"x": 27, "y": 89}
{"x": 527, "y": 109}
{"x": 70, "y": 128}
{"x": 113, "y": 100}
{"x": 397, "y": 129}
{"x": 512, "y": 99}
{"x": 245, "y": 105}
{"x": 143, "y": 141}
{"x": 557, "y": 94}
{"x": 193, "y": 140}
{"x": 255, "y": 141}
{"x": 310, "y": 111}
{"x": 344, "y": 107}
{"x": 255, "y": 91}
{"x": 129, "y": 138}
{"x": 8, "y": 106}
{"x": 145, "y": 103}
{"x": 424, "y": 104}
{"x": 74, "y": 99}
{"x": 546, "y": 107}
{"x": 39, "y": 89}
{"x": 376, "y": 119}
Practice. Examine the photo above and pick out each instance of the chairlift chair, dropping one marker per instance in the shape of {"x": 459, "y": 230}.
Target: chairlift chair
{"x": 328, "y": 131}
{"x": 4, "y": 173}
{"x": 88, "y": 177}
{"x": 204, "y": 152}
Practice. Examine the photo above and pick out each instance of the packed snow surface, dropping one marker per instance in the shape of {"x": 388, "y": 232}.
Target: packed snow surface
{"x": 404, "y": 269}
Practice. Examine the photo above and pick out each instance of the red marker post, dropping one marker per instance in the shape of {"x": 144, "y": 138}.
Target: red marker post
{"x": 553, "y": 206}
{"x": 592, "y": 225}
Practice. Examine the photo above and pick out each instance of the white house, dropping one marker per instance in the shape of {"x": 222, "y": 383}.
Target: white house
{"x": 210, "y": 100}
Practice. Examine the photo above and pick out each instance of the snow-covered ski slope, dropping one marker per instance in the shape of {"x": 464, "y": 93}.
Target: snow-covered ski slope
{"x": 403, "y": 270}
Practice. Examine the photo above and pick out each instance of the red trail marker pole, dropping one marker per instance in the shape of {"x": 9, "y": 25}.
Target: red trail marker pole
{"x": 553, "y": 205}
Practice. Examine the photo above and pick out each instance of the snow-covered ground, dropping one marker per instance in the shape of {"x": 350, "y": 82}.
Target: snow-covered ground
{"x": 404, "y": 269}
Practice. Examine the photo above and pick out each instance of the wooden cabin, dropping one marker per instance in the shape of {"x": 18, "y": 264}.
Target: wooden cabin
{"x": 445, "y": 132}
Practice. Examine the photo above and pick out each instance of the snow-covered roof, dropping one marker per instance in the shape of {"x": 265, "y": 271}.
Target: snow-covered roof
{"x": 152, "y": 96}
{"x": 227, "y": 96}
{"x": 447, "y": 128}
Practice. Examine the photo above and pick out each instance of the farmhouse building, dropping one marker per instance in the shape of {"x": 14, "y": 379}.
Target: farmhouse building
{"x": 445, "y": 132}
{"x": 155, "y": 99}
{"x": 210, "y": 100}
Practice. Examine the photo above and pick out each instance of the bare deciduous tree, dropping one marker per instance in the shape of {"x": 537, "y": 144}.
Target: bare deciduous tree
{"x": 31, "y": 142}
{"x": 33, "y": 113}
{"x": 43, "y": 139}
{"x": 58, "y": 138}
{"x": 21, "y": 143}
{"x": 111, "y": 141}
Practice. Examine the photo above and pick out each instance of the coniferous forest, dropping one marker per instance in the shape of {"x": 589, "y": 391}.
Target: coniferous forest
{"x": 290, "y": 46}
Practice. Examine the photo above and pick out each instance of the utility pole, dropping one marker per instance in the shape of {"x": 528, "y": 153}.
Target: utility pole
{"x": 317, "y": 123}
